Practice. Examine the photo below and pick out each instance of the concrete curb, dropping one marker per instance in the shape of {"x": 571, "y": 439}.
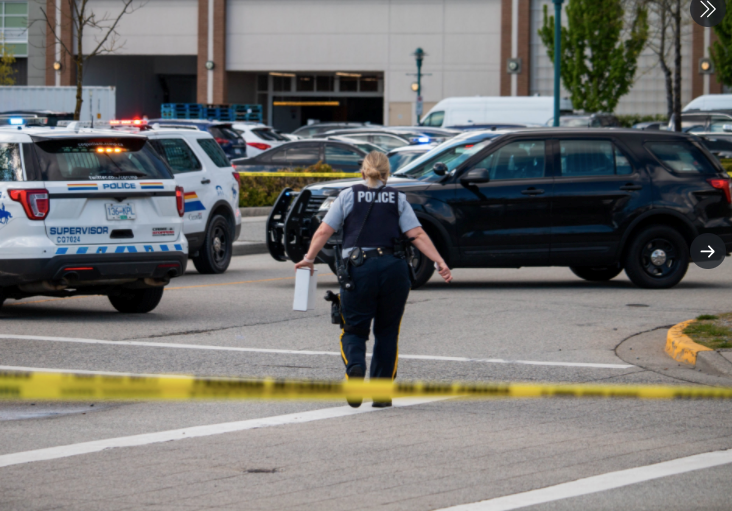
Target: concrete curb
{"x": 680, "y": 347}
{"x": 263, "y": 211}
{"x": 242, "y": 248}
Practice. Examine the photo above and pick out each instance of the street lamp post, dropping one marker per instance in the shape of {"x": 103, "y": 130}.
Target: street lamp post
{"x": 419, "y": 57}
{"x": 557, "y": 57}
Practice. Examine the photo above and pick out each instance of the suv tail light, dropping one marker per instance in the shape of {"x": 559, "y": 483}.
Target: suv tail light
{"x": 259, "y": 145}
{"x": 180, "y": 201}
{"x": 223, "y": 141}
{"x": 725, "y": 185}
{"x": 35, "y": 202}
{"x": 237, "y": 177}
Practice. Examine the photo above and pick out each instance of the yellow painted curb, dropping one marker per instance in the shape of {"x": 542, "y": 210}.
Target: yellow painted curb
{"x": 680, "y": 347}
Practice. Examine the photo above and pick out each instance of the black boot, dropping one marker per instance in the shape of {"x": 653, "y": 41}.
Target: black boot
{"x": 381, "y": 403}
{"x": 355, "y": 373}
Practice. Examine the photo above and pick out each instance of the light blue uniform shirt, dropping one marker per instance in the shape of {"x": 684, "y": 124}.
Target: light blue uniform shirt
{"x": 343, "y": 205}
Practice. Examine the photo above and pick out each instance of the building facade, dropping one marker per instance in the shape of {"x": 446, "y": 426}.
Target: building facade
{"x": 316, "y": 59}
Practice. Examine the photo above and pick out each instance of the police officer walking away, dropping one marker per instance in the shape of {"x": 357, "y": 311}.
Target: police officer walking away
{"x": 372, "y": 216}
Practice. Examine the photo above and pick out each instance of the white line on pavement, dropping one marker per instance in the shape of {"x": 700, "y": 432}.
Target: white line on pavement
{"x": 66, "y": 451}
{"x": 600, "y": 483}
{"x": 307, "y": 352}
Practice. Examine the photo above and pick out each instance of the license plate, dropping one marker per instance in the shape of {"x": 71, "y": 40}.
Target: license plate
{"x": 237, "y": 151}
{"x": 120, "y": 211}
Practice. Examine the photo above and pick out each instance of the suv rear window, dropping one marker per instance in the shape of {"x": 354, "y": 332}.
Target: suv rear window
{"x": 176, "y": 152}
{"x": 11, "y": 168}
{"x": 268, "y": 134}
{"x": 68, "y": 159}
{"x": 681, "y": 157}
{"x": 214, "y": 151}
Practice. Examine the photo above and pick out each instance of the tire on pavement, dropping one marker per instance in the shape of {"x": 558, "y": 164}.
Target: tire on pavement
{"x": 137, "y": 301}
{"x": 657, "y": 258}
{"x": 215, "y": 254}
{"x": 596, "y": 274}
{"x": 423, "y": 269}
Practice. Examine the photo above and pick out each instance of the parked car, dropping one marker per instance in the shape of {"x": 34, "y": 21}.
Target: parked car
{"x": 493, "y": 110}
{"x": 304, "y": 153}
{"x": 701, "y": 122}
{"x": 230, "y": 140}
{"x": 393, "y": 137}
{"x": 403, "y": 156}
{"x": 597, "y": 201}
{"x": 52, "y": 117}
{"x": 491, "y": 126}
{"x": 719, "y": 144}
{"x": 586, "y": 121}
{"x": 318, "y": 128}
{"x": 258, "y": 137}
{"x": 650, "y": 125}
{"x": 364, "y": 146}
{"x": 87, "y": 212}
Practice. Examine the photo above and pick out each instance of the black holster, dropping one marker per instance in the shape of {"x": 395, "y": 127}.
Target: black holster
{"x": 336, "y": 316}
{"x": 403, "y": 249}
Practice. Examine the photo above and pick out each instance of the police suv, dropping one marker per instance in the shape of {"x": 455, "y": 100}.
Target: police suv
{"x": 212, "y": 221}
{"x": 87, "y": 212}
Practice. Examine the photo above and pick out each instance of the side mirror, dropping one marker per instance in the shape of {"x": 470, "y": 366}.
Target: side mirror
{"x": 439, "y": 168}
{"x": 475, "y": 177}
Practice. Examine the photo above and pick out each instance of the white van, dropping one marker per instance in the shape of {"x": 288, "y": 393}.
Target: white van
{"x": 710, "y": 103}
{"x": 494, "y": 110}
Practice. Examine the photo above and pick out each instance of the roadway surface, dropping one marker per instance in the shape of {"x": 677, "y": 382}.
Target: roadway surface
{"x": 541, "y": 325}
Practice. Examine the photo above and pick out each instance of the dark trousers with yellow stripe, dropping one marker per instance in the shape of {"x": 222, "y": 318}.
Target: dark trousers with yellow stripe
{"x": 382, "y": 287}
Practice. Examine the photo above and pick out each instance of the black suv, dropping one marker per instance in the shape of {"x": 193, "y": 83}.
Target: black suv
{"x": 598, "y": 201}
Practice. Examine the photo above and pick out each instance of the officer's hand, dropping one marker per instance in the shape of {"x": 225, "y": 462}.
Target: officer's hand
{"x": 444, "y": 271}
{"x": 305, "y": 264}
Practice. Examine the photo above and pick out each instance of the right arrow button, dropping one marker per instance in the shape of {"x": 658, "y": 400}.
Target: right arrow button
{"x": 708, "y": 251}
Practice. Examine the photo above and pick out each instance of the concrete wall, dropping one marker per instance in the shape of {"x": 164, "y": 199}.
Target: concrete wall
{"x": 158, "y": 27}
{"x": 461, "y": 39}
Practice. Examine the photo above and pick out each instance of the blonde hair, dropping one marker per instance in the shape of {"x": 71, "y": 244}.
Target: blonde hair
{"x": 375, "y": 168}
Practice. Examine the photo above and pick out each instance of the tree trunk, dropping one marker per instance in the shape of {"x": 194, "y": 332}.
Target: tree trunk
{"x": 664, "y": 65}
{"x": 79, "y": 65}
{"x": 677, "y": 66}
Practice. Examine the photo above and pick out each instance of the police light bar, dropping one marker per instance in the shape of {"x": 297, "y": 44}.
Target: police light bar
{"x": 19, "y": 120}
{"x": 128, "y": 122}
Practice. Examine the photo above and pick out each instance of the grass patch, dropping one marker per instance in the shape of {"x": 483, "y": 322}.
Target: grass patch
{"x": 712, "y": 331}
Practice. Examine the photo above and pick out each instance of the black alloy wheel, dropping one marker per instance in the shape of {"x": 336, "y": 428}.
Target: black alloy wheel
{"x": 136, "y": 301}
{"x": 215, "y": 254}
{"x": 658, "y": 258}
{"x": 423, "y": 269}
{"x": 596, "y": 274}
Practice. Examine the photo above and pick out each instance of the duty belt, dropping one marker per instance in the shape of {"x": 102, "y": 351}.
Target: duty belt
{"x": 378, "y": 252}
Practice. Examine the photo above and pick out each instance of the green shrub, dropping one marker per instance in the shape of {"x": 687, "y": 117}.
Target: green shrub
{"x": 627, "y": 121}
{"x": 258, "y": 191}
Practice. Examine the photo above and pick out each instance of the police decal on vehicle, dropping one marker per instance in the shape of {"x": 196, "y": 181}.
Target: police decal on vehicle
{"x": 5, "y": 216}
{"x": 163, "y": 231}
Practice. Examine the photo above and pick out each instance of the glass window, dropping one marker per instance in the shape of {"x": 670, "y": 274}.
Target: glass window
{"x": 348, "y": 84}
{"x": 281, "y": 84}
{"x": 11, "y": 168}
{"x": 689, "y": 121}
{"x": 401, "y": 159}
{"x": 69, "y": 159}
{"x": 622, "y": 165}
{"x": 275, "y": 156}
{"x": 718, "y": 123}
{"x": 451, "y": 156}
{"x": 213, "y": 150}
{"x": 305, "y": 83}
{"x": 14, "y": 27}
{"x": 369, "y": 84}
{"x": 268, "y": 134}
{"x": 434, "y": 119}
{"x": 340, "y": 155}
{"x": 587, "y": 158}
{"x": 388, "y": 142}
{"x": 717, "y": 144}
{"x": 681, "y": 157}
{"x": 325, "y": 83}
{"x": 263, "y": 83}
{"x": 178, "y": 154}
{"x": 303, "y": 156}
{"x": 517, "y": 160}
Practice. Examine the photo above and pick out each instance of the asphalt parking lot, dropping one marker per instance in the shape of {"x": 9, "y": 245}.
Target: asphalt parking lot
{"x": 542, "y": 325}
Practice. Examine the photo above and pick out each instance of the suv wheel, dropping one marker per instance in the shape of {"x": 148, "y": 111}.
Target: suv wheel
{"x": 599, "y": 274}
{"x": 215, "y": 254}
{"x": 657, "y": 258}
{"x": 423, "y": 269}
{"x": 137, "y": 301}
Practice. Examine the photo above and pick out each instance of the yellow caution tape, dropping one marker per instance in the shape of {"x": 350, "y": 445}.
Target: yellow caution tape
{"x": 69, "y": 387}
{"x": 300, "y": 174}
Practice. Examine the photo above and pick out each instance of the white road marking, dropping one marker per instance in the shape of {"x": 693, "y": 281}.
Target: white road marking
{"x": 66, "y": 451}
{"x": 307, "y": 352}
{"x": 600, "y": 483}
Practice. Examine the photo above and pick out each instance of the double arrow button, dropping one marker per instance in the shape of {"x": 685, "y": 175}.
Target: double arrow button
{"x": 708, "y": 13}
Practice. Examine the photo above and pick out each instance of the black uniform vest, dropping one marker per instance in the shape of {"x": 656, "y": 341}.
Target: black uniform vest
{"x": 382, "y": 225}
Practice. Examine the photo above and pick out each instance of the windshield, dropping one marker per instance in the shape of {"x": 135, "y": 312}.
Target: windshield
{"x": 99, "y": 158}
{"x": 447, "y": 153}
{"x": 268, "y": 134}
{"x": 400, "y": 160}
